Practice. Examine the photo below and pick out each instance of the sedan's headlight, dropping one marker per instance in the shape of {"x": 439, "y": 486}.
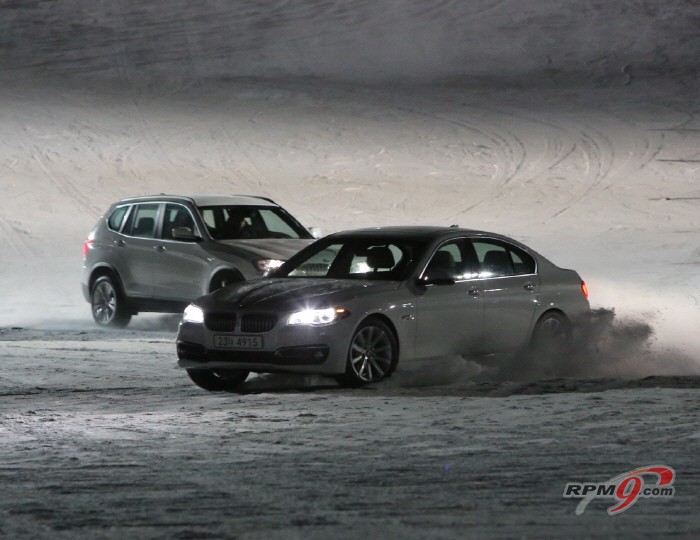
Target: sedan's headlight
{"x": 317, "y": 317}
{"x": 193, "y": 314}
{"x": 267, "y": 265}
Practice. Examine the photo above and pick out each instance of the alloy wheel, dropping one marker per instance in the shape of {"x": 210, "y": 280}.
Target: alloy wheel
{"x": 104, "y": 302}
{"x": 371, "y": 353}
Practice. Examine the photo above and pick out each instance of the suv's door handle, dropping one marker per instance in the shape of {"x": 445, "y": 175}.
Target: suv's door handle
{"x": 120, "y": 243}
{"x": 529, "y": 286}
{"x": 160, "y": 248}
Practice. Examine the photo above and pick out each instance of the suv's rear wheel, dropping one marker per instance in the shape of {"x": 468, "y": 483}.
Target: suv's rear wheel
{"x": 217, "y": 380}
{"x": 108, "y": 305}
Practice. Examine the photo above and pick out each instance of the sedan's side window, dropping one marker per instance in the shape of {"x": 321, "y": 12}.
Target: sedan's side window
{"x": 494, "y": 259}
{"x": 142, "y": 221}
{"x": 498, "y": 259}
{"x": 523, "y": 263}
{"x": 447, "y": 262}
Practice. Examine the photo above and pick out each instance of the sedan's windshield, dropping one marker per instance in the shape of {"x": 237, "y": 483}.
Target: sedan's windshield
{"x": 245, "y": 221}
{"x": 355, "y": 258}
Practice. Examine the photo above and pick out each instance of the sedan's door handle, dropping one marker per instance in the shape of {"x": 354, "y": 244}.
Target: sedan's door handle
{"x": 529, "y": 286}
{"x": 120, "y": 243}
{"x": 160, "y": 248}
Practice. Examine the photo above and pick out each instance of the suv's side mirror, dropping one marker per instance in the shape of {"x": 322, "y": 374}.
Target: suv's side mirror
{"x": 185, "y": 234}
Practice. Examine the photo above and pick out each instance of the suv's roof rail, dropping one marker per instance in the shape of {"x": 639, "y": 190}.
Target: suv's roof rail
{"x": 191, "y": 199}
{"x": 257, "y": 197}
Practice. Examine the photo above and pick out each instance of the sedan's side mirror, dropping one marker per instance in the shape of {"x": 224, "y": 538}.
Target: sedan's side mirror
{"x": 439, "y": 279}
{"x": 185, "y": 234}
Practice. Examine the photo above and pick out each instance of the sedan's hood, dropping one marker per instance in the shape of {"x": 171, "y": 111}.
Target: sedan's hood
{"x": 283, "y": 292}
{"x": 264, "y": 248}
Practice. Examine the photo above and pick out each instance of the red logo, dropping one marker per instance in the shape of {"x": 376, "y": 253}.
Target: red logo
{"x": 654, "y": 481}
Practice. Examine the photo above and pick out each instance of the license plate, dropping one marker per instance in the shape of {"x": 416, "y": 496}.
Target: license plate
{"x": 237, "y": 342}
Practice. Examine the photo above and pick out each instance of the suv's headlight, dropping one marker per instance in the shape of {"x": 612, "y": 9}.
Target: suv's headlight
{"x": 267, "y": 265}
{"x": 193, "y": 314}
{"x": 317, "y": 317}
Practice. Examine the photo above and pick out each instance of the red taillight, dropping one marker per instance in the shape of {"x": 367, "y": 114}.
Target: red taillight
{"x": 584, "y": 289}
{"x": 86, "y": 246}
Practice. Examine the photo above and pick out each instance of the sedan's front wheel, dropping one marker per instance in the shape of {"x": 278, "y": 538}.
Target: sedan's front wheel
{"x": 218, "y": 380}
{"x": 372, "y": 355}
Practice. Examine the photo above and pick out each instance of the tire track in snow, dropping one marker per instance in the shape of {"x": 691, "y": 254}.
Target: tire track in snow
{"x": 15, "y": 240}
{"x": 508, "y": 149}
{"x": 61, "y": 182}
{"x": 597, "y": 149}
{"x": 599, "y": 153}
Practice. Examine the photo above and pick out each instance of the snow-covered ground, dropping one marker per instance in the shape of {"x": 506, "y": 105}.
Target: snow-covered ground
{"x": 586, "y": 147}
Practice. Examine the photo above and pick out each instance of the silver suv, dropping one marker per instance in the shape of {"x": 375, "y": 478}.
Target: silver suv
{"x": 160, "y": 252}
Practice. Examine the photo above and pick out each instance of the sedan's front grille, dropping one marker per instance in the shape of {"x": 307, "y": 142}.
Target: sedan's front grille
{"x": 258, "y": 323}
{"x": 221, "y": 322}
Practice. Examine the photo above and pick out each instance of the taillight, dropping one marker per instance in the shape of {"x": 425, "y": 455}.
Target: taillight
{"x": 584, "y": 289}
{"x": 87, "y": 246}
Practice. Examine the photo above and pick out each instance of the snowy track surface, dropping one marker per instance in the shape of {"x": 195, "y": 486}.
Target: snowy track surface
{"x": 577, "y": 131}
{"x": 102, "y": 437}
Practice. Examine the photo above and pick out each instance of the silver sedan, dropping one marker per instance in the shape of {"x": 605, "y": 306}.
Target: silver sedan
{"x": 357, "y": 304}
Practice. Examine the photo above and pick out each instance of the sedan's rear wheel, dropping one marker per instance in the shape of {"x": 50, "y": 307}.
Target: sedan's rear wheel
{"x": 552, "y": 335}
{"x": 108, "y": 304}
{"x": 372, "y": 355}
{"x": 218, "y": 380}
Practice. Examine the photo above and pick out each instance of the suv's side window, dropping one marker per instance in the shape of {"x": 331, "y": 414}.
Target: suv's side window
{"x": 176, "y": 216}
{"x": 142, "y": 221}
{"x": 116, "y": 218}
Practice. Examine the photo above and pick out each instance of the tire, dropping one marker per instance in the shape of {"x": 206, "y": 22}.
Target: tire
{"x": 223, "y": 279}
{"x": 218, "y": 380}
{"x": 372, "y": 355}
{"x": 108, "y": 305}
{"x": 552, "y": 336}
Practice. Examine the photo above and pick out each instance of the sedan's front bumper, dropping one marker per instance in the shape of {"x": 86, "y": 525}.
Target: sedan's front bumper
{"x": 301, "y": 349}
{"x": 193, "y": 355}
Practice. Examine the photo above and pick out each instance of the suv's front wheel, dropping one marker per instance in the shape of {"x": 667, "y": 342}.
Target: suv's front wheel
{"x": 108, "y": 304}
{"x": 224, "y": 278}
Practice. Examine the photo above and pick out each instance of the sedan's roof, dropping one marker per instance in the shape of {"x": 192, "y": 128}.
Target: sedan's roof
{"x": 207, "y": 200}
{"x": 411, "y": 231}
{"x": 424, "y": 233}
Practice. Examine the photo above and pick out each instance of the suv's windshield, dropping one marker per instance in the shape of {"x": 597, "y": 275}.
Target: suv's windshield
{"x": 355, "y": 258}
{"x": 239, "y": 222}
